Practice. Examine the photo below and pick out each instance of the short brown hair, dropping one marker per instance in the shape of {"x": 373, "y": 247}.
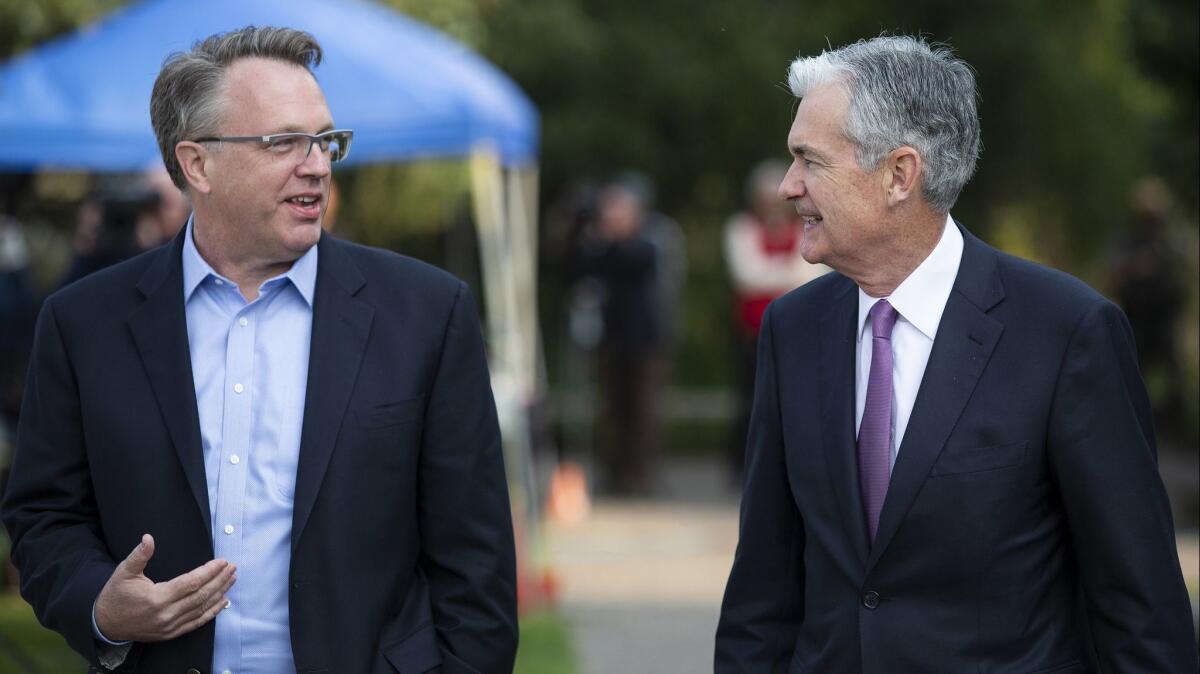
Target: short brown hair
{"x": 184, "y": 103}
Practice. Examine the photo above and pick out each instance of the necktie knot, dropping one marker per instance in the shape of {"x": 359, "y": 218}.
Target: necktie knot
{"x": 883, "y": 318}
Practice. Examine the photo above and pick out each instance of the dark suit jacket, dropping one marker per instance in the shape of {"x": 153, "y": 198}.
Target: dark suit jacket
{"x": 402, "y": 549}
{"x": 1025, "y": 528}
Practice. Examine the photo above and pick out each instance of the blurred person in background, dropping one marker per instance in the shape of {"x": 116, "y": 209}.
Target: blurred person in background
{"x": 106, "y": 225}
{"x": 762, "y": 253}
{"x": 670, "y": 275}
{"x": 18, "y": 310}
{"x": 125, "y": 215}
{"x": 160, "y": 223}
{"x": 1149, "y": 274}
{"x": 618, "y": 251}
{"x": 261, "y": 449}
{"x": 951, "y": 464}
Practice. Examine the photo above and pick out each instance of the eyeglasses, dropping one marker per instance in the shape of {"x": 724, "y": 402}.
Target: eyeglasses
{"x": 334, "y": 144}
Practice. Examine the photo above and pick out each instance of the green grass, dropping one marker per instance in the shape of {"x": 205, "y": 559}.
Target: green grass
{"x": 27, "y": 648}
{"x": 545, "y": 645}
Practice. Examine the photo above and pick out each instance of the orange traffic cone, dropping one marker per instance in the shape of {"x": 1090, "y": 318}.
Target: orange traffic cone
{"x": 567, "y": 501}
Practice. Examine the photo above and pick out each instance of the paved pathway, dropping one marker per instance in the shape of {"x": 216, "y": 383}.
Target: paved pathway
{"x": 641, "y": 581}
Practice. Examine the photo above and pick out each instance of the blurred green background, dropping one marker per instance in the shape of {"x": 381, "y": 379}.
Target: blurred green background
{"x": 1079, "y": 101}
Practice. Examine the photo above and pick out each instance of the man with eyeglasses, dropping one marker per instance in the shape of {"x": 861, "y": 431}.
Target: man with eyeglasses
{"x": 259, "y": 449}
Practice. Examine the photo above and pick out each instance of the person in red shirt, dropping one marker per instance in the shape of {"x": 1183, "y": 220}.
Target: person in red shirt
{"x": 762, "y": 251}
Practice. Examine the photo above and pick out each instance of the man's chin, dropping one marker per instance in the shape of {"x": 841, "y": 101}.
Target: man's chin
{"x": 812, "y": 254}
{"x": 302, "y": 236}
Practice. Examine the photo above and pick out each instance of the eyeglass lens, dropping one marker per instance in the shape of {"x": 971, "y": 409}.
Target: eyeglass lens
{"x": 334, "y": 145}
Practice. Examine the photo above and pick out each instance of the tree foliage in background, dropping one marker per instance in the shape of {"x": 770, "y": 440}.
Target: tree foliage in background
{"x": 1077, "y": 101}
{"x": 24, "y": 24}
{"x": 1077, "y": 98}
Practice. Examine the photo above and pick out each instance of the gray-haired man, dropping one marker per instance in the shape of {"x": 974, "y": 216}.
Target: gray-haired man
{"x": 259, "y": 399}
{"x": 951, "y": 465}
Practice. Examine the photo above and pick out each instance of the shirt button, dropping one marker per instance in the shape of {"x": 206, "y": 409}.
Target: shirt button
{"x": 228, "y": 603}
{"x": 229, "y": 528}
{"x": 242, "y": 322}
{"x": 235, "y": 459}
{"x": 227, "y": 672}
{"x": 238, "y": 388}
{"x": 871, "y": 600}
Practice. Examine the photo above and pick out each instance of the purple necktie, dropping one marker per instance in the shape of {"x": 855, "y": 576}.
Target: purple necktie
{"x": 875, "y": 433}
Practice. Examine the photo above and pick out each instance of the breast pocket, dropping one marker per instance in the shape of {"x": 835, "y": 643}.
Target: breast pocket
{"x": 963, "y": 460}
{"x": 387, "y": 415}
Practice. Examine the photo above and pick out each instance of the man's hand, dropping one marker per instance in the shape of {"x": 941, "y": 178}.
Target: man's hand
{"x": 131, "y": 607}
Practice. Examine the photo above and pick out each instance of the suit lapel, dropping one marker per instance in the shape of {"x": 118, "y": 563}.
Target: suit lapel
{"x": 838, "y": 344}
{"x": 965, "y": 340}
{"x": 340, "y": 326}
{"x": 159, "y": 328}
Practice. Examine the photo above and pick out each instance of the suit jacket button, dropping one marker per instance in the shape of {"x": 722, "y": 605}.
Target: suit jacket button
{"x": 871, "y": 600}
{"x": 193, "y": 670}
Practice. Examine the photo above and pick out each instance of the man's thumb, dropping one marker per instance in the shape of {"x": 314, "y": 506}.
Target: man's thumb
{"x": 136, "y": 562}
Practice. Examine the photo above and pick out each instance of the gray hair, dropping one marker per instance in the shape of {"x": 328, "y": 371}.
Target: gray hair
{"x": 185, "y": 102}
{"x": 904, "y": 92}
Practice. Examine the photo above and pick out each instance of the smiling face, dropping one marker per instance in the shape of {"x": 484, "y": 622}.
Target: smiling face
{"x": 844, "y": 208}
{"x": 268, "y": 206}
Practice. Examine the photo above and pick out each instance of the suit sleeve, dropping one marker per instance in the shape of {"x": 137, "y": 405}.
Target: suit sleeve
{"x": 764, "y": 598}
{"x": 49, "y": 507}
{"x": 1101, "y": 444}
{"x": 467, "y": 550}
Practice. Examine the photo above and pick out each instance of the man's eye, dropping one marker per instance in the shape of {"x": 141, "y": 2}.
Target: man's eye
{"x": 282, "y": 144}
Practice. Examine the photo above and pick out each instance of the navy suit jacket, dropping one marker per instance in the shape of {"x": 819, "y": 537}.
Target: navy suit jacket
{"x": 402, "y": 544}
{"x": 1025, "y": 528}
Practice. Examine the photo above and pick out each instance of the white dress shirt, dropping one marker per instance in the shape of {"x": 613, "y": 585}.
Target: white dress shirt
{"x": 920, "y": 300}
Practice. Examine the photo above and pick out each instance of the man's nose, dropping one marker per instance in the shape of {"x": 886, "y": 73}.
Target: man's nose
{"x": 316, "y": 163}
{"x": 791, "y": 187}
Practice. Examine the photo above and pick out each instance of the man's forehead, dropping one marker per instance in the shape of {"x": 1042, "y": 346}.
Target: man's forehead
{"x": 820, "y": 116}
{"x": 256, "y": 73}
{"x": 284, "y": 96}
{"x": 824, "y": 104}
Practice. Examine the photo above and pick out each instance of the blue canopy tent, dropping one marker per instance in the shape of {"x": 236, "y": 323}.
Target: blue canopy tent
{"x": 407, "y": 90}
{"x": 81, "y": 102}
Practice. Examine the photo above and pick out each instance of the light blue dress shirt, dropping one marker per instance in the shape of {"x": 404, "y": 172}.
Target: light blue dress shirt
{"x": 250, "y": 370}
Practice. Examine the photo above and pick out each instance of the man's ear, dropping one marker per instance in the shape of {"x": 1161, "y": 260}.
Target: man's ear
{"x": 193, "y": 161}
{"x": 902, "y": 174}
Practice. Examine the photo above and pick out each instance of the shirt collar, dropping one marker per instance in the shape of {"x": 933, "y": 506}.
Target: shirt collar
{"x": 302, "y": 274}
{"x": 195, "y": 268}
{"x": 921, "y": 298}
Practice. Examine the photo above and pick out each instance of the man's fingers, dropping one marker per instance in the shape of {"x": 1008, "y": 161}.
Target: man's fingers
{"x": 210, "y": 613}
{"x": 215, "y": 603}
{"x": 189, "y": 583}
{"x": 135, "y": 563}
{"x": 192, "y": 606}
{"x": 219, "y": 585}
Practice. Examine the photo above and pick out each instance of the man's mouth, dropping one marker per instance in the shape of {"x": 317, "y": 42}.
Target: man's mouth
{"x": 306, "y": 205}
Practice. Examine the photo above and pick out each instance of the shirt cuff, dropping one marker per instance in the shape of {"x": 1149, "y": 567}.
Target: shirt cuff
{"x": 111, "y": 653}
